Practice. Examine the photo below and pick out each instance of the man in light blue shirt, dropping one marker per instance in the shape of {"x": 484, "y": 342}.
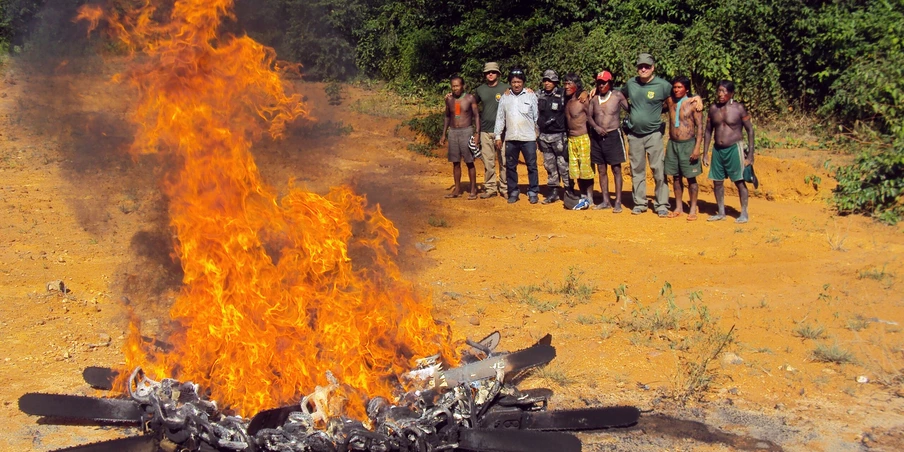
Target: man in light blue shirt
{"x": 516, "y": 120}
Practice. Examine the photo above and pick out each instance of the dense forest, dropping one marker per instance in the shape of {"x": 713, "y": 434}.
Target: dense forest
{"x": 841, "y": 61}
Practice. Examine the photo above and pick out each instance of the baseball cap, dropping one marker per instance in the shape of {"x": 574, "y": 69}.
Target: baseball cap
{"x": 645, "y": 58}
{"x": 604, "y": 76}
{"x": 491, "y": 67}
{"x": 551, "y": 75}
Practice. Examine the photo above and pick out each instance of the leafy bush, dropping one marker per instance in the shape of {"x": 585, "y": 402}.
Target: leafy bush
{"x": 430, "y": 126}
{"x": 333, "y": 93}
{"x": 873, "y": 184}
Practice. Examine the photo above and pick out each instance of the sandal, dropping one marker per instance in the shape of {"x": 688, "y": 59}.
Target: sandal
{"x": 452, "y": 195}
{"x": 691, "y": 217}
{"x": 674, "y": 214}
{"x": 472, "y": 197}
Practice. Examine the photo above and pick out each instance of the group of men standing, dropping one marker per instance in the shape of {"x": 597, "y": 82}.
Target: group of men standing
{"x": 580, "y": 135}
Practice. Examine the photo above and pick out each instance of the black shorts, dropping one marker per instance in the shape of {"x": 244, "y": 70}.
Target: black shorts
{"x": 608, "y": 149}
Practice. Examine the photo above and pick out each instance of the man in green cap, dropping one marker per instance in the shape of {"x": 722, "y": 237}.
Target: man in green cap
{"x": 488, "y": 95}
{"x": 647, "y": 94}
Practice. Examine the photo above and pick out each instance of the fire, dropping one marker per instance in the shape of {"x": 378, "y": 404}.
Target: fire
{"x": 277, "y": 291}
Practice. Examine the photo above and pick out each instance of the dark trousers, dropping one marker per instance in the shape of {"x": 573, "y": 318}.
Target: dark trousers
{"x": 529, "y": 150}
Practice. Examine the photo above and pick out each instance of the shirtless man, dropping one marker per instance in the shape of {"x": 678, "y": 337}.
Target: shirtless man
{"x": 579, "y": 166}
{"x": 607, "y": 146}
{"x": 729, "y": 158}
{"x": 682, "y": 156}
{"x": 462, "y": 115}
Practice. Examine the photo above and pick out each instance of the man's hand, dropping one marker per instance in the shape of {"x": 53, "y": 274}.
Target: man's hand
{"x": 698, "y": 103}
{"x": 448, "y": 95}
{"x": 442, "y": 141}
{"x": 600, "y": 131}
{"x": 498, "y": 145}
{"x": 705, "y": 160}
{"x": 584, "y": 97}
{"x": 696, "y": 154}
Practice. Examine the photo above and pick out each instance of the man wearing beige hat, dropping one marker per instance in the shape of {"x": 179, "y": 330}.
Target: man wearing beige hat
{"x": 488, "y": 95}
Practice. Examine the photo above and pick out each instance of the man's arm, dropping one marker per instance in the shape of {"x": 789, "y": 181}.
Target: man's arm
{"x": 500, "y": 122}
{"x": 476, "y": 113}
{"x": 535, "y": 113}
{"x": 708, "y": 136}
{"x": 592, "y": 121}
{"x": 748, "y": 126}
{"x": 447, "y": 118}
{"x": 698, "y": 124}
{"x": 623, "y": 101}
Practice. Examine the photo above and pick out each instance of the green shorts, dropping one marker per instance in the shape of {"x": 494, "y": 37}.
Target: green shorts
{"x": 678, "y": 159}
{"x": 728, "y": 163}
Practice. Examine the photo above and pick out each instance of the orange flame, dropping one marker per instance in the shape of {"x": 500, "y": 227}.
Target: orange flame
{"x": 276, "y": 291}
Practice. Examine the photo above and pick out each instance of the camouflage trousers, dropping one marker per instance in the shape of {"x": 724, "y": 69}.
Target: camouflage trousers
{"x": 555, "y": 158}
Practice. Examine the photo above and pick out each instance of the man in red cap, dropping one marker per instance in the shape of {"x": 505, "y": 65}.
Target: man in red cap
{"x": 607, "y": 145}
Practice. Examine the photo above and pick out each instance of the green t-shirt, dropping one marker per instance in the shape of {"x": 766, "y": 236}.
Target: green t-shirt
{"x": 489, "y": 103}
{"x": 646, "y": 104}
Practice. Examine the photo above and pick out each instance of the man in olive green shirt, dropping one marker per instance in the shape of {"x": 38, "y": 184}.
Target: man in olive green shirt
{"x": 488, "y": 95}
{"x": 646, "y": 94}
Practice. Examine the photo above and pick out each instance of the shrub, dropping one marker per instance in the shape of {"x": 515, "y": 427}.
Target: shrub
{"x": 430, "y": 126}
{"x": 873, "y": 184}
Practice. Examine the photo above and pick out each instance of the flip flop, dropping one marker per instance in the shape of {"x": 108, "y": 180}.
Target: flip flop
{"x": 472, "y": 197}
{"x": 674, "y": 214}
{"x": 452, "y": 195}
{"x": 691, "y": 217}
{"x": 617, "y": 209}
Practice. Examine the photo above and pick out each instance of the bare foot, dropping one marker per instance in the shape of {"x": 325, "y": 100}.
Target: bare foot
{"x": 742, "y": 219}
{"x": 719, "y": 217}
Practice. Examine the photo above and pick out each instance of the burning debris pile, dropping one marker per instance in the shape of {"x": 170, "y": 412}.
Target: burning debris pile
{"x": 472, "y": 407}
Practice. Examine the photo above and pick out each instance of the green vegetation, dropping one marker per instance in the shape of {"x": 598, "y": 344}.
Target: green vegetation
{"x": 832, "y": 354}
{"x": 857, "y": 323}
{"x": 807, "y": 331}
{"x": 430, "y": 126}
{"x": 437, "y": 222}
{"x": 333, "y": 93}
{"x": 874, "y": 184}
{"x": 573, "y": 288}
{"x": 692, "y": 334}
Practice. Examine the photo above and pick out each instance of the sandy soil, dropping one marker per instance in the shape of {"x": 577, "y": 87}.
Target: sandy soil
{"x": 76, "y": 208}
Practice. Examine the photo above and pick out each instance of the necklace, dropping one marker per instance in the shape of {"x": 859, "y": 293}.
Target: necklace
{"x": 603, "y": 101}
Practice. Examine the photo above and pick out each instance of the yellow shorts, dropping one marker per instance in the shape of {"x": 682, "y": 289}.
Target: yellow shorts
{"x": 579, "y": 164}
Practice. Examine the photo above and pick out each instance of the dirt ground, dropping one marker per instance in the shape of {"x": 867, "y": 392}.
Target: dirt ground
{"x": 77, "y": 209}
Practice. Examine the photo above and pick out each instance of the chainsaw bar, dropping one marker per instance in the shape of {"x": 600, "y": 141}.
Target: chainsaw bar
{"x": 146, "y": 443}
{"x": 81, "y": 407}
{"x": 516, "y": 441}
{"x": 100, "y": 377}
{"x": 571, "y": 420}
{"x": 533, "y": 356}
